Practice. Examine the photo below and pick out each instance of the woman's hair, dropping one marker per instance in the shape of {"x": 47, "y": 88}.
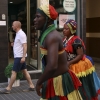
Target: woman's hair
{"x": 72, "y": 26}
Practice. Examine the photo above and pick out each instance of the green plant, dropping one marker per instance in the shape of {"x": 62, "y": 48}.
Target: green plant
{"x": 8, "y": 71}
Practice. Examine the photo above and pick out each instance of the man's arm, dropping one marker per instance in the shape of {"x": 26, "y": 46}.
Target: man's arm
{"x": 24, "y": 49}
{"x": 24, "y": 52}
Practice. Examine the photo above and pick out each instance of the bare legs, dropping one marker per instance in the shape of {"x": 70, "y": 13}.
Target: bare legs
{"x": 27, "y": 76}
{"x": 13, "y": 78}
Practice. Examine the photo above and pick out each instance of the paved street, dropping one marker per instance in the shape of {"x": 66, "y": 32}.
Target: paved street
{"x": 18, "y": 94}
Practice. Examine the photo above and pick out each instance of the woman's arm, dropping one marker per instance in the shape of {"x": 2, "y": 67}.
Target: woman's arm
{"x": 79, "y": 56}
{"x": 78, "y": 49}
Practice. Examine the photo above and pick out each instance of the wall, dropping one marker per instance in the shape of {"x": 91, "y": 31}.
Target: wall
{"x": 3, "y": 40}
{"x": 14, "y": 10}
{"x": 12, "y": 13}
{"x": 93, "y": 28}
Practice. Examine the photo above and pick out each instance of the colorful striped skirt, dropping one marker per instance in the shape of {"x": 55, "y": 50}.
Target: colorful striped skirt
{"x": 63, "y": 87}
{"x": 85, "y": 71}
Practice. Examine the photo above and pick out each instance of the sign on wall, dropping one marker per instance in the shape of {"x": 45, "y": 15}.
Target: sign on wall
{"x": 69, "y": 5}
{"x": 3, "y": 17}
{"x": 2, "y": 23}
{"x": 63, "y": 18}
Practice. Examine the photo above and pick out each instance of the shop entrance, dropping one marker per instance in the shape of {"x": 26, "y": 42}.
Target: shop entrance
{"x": 24, "y": 11}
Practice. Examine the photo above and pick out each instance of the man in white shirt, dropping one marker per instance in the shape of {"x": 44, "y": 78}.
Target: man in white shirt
{"x": 20, "y": 54}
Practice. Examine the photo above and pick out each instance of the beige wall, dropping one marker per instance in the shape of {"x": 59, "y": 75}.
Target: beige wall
{"x": 93, "y": 11}
{"x": 93, "y": 28}
{"x": 92, "y": 8}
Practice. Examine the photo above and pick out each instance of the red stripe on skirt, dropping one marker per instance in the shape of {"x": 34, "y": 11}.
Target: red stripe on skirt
{"x": 76, "y": 81}
{"x": 99, "y": 91}
{"x": 50, "y": 89}
{"x": 63, "y": 98}
{"x": 95, "y": 98}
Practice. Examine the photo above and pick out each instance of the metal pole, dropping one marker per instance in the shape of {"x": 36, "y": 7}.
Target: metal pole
{"x": 38, "y": 45}
{"x": 78, "y": 18}
{"x": 28, "y": 31}
{"x": 83, "y": 20}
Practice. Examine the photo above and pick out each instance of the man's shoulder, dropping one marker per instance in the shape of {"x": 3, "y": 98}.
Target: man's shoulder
{"x": 53, "y": 36}
{"x": 22, "y": 33}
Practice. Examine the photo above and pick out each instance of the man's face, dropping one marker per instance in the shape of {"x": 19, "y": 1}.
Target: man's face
{"x": 14, "y": 26}
{"x": 39, "y": 21}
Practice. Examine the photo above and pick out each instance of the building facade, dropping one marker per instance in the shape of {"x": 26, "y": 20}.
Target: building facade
{"x": 25, "y": 12}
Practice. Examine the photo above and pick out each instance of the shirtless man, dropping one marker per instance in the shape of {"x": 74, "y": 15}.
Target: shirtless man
{"x": 56, "y": 81}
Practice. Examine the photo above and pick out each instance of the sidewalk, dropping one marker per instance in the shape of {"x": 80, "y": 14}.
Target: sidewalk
{"x": 18, "y": 94}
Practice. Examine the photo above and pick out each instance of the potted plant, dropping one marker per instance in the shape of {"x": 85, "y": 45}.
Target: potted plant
{"x": 8, "y": 71}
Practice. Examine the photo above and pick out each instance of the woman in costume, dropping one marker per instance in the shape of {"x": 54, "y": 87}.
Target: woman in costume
{"x": 79, "y": 63}
{"x": 56, "y": 81}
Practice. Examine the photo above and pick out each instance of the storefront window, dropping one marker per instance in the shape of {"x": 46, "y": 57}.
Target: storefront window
{"x": 67, "y": 9}
{"x": 33, "y": 35}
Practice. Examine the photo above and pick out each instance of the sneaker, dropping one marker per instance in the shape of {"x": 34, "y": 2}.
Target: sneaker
{"x": 29, "y": 89}
{"x": 4, "y": 91}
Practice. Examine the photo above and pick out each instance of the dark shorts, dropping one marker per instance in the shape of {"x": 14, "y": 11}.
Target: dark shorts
{"x": 18, "y": 66}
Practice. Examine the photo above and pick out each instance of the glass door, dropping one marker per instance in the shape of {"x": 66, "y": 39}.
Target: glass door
{"x": 32, "y": 34}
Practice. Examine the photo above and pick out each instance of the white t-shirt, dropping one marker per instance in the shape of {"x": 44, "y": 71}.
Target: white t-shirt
{"x": 19, "y": 40}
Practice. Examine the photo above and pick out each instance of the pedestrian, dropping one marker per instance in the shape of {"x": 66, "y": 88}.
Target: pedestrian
{"x": 20, "y": 54}
{"x": 79, "y": 62}
{"x": 57, "y": 81}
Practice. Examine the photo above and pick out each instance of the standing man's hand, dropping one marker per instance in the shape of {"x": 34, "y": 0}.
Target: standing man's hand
{"x": 22, "y": 60}
{"x": 38, "y": 89}
{"x": 12, "y": 44}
